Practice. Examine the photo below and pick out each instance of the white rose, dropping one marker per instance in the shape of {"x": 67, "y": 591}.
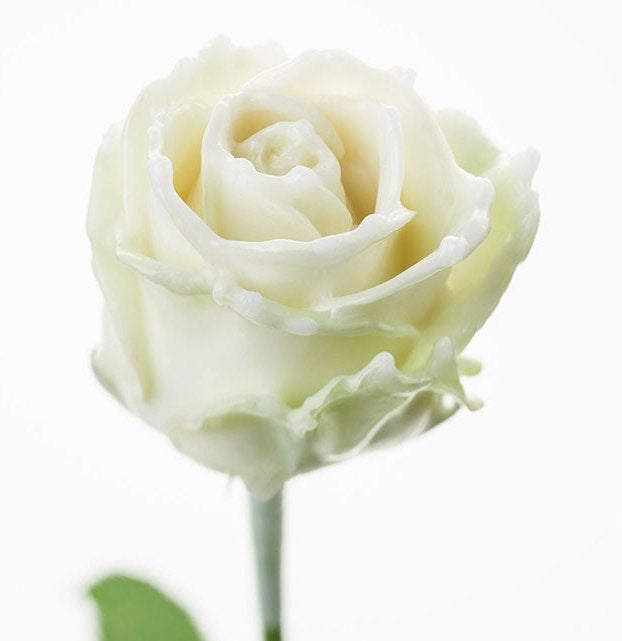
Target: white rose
{"x": 293, "y": 254}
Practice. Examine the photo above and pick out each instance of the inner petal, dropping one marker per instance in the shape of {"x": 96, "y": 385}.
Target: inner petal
{"x": 269, "y": 170}
{"x": 280, "y": 147}
{"x": 443, "y": 196}
{"x": 372, "y": 166}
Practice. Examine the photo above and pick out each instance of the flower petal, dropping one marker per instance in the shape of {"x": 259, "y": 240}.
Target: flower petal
{"x": 477, "y": 283}
{"x": 266, "y": 443}
{"x": 219, "y": 69}
{"x": 320, "y": 271}
{"x": 121, "y": 361}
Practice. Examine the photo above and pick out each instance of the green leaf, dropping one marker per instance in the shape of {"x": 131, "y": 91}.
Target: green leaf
{"x": 132, "y": 610}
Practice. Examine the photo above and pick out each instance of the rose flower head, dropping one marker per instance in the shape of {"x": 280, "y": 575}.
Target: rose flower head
{"x": 293, "y": 255}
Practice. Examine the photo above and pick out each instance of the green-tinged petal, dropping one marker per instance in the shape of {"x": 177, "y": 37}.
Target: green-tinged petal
{"x": 203, "y": 352}
{"x": 266, "y": 443}
{"x": 247, "y": 438}
{"x": 121, "y": 361}
{"x": 472, "y": 149}
{"x": 132, "y": 610}
{"x": 477, "y": 283}
{"x": 347, "y": 411}
{"x": 382, "y": 403}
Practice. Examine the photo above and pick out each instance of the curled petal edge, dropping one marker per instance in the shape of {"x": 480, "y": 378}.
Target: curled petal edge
{"x": 279, "y": 442}
{"x": 330, "y": 249}
{"x": 252, "y": 305}
{"x": 337, "y": 314}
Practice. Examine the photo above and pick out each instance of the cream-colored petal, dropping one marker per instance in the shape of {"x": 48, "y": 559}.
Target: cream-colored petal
{"x": 266, "y": 442}
{"x": 323, "y": 270}
{"x": 434, "y": 186}
{"x": 202, "y": 352}
{"x": 477, "y": 283}
{"x": 311, "y": 341}
{"x": 252, "y": 305}
{"x": 353, "y": 412}
{"x": 294, "y": 268}
{"x": 372, "y": 164}
{"x": 248, "y": 438}
{"x": 473, "y": 150}
{"x": 121, "y": 360}
{"x": 267, "y": 173}
{"x": 291, "y": 272}
{"x": 219, "y": 69}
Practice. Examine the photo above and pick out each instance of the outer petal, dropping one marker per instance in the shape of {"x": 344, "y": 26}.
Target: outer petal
{"x": 203, "y": 352}
{"x": 249, "y": 438}
{"x": 266, "y": 442}
{"x": 471, "y": 148}
{"x": 121, "y": 362}
{"x": 477, "y": 283}
{"x": 121, "y": 210}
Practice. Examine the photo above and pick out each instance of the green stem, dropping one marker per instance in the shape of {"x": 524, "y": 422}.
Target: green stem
{"x": 266, "y": 519}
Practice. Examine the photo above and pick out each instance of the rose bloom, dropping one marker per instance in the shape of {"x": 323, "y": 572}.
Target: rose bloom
{"x": 293, "y": 254}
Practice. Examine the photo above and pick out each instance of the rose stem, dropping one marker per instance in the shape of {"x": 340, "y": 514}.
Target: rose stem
{"x": 266, "y": 519}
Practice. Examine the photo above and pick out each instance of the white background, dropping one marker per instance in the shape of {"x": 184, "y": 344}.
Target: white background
{"x": 505, "y": 524}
